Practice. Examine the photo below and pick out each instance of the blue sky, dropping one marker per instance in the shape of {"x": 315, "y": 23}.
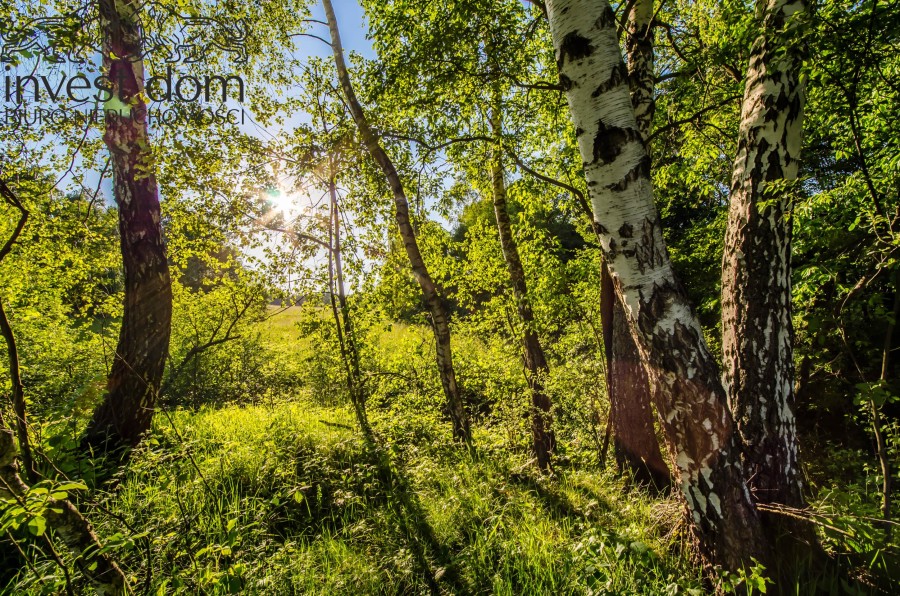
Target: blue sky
{"x": 352, "y": 25}
{"x": 353, "y": 28}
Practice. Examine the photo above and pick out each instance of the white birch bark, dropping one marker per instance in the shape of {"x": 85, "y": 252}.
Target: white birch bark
{"x": 440, "y": 315}
{"x": 757, "y": 337}
{"x": 697, "y": 421}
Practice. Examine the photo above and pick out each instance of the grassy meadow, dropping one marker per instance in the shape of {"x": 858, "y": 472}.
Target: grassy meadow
{"x": 280, "y": 495}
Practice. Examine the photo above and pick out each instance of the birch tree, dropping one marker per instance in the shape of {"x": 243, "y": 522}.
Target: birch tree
{"x": 757, "y": 330}
{"x": 535, "y": 360}
{"x": 631, "y": 412}
{"x": 126, "y": 411}
{"x": 440, "y": 317}
{"x": 696, "y": 419}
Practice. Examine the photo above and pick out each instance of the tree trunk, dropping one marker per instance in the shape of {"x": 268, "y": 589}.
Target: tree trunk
{"x": 628, "y": 386}
{"x": 18, "y": 397}
{"x": 342, "y": 320}
{"x": 639, "y": 58}
{"x": 880, "y": 442}
{"x": 15, "y": 378}
{"x": 631, "y": 413}
{"x": 757, "y": 334}
{"x": 695, "y": 415}
{"x": 542, "y": 435}
{"x": 440, "y": 317}
{"x": 127, "y": 409}
{"x": 634, "y": 436}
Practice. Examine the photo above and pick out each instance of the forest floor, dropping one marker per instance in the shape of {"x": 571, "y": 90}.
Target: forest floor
{"x": 285, "y": 498}
{"x": 282, "y": 496}
{"x": 288, "y": 499}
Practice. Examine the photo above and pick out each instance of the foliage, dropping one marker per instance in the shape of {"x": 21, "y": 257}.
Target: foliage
{"x": 287, "y": 498}
{"x": 255, "y": 478}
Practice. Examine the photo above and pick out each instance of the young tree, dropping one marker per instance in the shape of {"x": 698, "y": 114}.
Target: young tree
{"x": 18, "y": 390}
{"x": 126, "y": 411}
{"x": 61, "y": 515}
{"x": 535, "y": 360}
{"x": 757, "y": 332}
{"x": 440, "y": 317}
{"x": 696, "y": 419}
{"x": 341, "y": 309}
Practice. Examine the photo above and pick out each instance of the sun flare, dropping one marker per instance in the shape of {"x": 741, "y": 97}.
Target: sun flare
{"x": 282, "y": 200}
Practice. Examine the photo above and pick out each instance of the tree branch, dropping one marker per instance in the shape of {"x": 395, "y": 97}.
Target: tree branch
{"x": 579, "y": 196}
{"x": 675, "y": 124}
{"x": 18, "y": 390}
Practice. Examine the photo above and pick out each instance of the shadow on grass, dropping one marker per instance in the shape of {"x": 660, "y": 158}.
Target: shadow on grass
{"x": 433, "y": 559}
{"x": 555, "y": 502}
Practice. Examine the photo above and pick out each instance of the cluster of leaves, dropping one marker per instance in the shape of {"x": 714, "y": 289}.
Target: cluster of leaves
{"x": 211, "y": 505}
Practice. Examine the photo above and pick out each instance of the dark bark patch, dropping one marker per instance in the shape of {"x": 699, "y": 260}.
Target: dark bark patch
{"x": 626, "y": 231}
{"x": 613, "y": 249}
{"x": 647, "y": 252}
{"x": 775, "y": 171}
{"x": 640, "y": 170}
{"x": 607, "y": 19}
{"x": 796, "y": 107}
{"x": 618, "y": 76}
{"x": 653, "y": 307}
{"x": 775, "y": 104}
{"x": 574, "y": 46}
{"x": 610, "y": 140}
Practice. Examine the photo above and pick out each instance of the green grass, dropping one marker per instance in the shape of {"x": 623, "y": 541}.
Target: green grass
{"x": 284, "y": 497}
{"x": 280, "y": 326}
{"x": 288, "y": 500}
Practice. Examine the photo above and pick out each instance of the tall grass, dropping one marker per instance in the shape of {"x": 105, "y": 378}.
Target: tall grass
{"x": 284, "y": 497}
{"x": 287, "y": 499}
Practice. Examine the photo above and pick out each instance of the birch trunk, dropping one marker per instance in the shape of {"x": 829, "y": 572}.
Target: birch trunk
{"x": 757, "y": 334}
{"x": 342, "y": 320}
{"x": 635, "y": 444}
{"x": 696, "y": 419}
{"x": 875, "y": 411}
{"x": 631, "y": 413}
{"x": 535, "y": 362}
{"x": 639, "y": 58}
{"x": 631, "y": 418}
{"x": 126, "y": 411}
{"x": 440, "y": 318}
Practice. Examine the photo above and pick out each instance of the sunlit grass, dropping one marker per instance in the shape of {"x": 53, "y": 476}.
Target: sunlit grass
{"x": 287, "y": 499}
{"x": 284, "y": 497}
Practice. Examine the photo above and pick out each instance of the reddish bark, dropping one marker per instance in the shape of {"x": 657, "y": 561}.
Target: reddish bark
{"x": 126, "y": 411}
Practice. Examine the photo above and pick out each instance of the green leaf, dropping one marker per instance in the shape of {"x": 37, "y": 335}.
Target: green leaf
{"x": 37, "y": 525}
{"x": 68, "y": 486}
